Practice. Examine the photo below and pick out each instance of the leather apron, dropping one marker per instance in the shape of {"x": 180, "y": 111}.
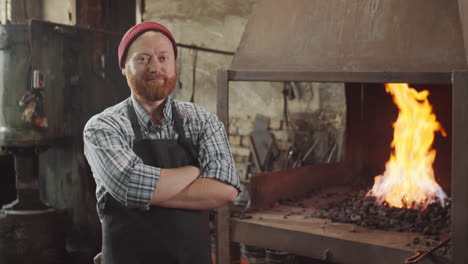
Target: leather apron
{"x": 159, "y": 235}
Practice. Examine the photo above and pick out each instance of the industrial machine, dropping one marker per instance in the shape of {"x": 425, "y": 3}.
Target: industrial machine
{"x": 53, "y": 78}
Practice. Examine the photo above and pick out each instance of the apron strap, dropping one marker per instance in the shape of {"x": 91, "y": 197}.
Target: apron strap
{"x": 182, "y": 140}
{"x": 134, "y": 120}
{"x": 177, "y": 124}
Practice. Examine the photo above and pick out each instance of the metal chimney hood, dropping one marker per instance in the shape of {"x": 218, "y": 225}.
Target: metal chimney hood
{"x": 347, "y": 40}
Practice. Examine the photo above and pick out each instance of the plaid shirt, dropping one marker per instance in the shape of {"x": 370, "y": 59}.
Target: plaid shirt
{"x": 108, "y": 147}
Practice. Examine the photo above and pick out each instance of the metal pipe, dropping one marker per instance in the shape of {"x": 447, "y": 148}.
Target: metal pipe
{"x": 27, "y": 181}
{"x": 223, "y": 52}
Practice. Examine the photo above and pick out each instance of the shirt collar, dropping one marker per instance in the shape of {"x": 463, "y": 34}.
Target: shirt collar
{"x": 145, "y": 118}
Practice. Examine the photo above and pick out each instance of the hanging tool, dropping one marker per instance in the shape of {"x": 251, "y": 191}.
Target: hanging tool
{"x": 300, "y": 160}
{"x": 294, "y": 90}
{"x": 285, "y": 104}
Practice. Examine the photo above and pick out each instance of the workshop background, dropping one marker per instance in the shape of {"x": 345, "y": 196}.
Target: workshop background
{"x": 334, "y": 169}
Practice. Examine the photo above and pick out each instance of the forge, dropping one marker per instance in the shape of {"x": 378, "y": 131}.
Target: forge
{"x": 363, "y": 44}
{"x": 323, "y": 211}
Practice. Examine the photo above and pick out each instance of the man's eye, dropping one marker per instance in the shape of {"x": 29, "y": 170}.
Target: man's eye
{"x": 143, "y": 59}
{"x": 163, "y": 58}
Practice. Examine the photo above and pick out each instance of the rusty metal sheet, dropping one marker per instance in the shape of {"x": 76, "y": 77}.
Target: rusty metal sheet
{"x": 352, "y": 36}
{"x": 269, "y": 187}
{"x": 344, "y": 77}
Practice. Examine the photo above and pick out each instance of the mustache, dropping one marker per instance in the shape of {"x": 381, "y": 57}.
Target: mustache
{"x": 155, "y": 76}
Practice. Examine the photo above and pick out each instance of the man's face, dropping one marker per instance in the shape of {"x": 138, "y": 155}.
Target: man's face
{"x": 150, "y": 67}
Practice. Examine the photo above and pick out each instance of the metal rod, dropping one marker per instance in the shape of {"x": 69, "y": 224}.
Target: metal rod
{"x": 223, "y": 52}
{"x": 340, "y": 77}
{"x": 421, "y": 255}
{"x": 310, "y": 150}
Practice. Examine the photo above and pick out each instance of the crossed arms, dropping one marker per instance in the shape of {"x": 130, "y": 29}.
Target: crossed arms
{"x": 121, "y": 172}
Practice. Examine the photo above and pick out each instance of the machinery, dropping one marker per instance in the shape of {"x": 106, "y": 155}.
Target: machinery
{"x": 53, "y": 78}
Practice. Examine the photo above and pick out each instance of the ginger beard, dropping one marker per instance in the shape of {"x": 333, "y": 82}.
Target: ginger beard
{"x": 148, "y": 89}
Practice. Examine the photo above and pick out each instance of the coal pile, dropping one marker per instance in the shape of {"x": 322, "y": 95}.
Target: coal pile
{"x": 363, "y": 211}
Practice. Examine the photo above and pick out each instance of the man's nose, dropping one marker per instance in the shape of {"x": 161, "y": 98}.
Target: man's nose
{"x": 154, "y": 65}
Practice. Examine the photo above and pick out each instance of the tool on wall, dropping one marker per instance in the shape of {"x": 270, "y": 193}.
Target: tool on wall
{"x": 300, "y": 159}
{"x": 263, "y": 149}
{"x": 291, "y": 91}
{"x": 285, "y": 104}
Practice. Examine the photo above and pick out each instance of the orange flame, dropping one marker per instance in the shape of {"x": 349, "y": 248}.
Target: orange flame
{"x": 408, "y": 180}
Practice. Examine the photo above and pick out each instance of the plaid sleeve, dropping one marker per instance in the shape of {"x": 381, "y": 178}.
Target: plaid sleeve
{"x": 117, "y": 167}
{"x": 215, "y": 153}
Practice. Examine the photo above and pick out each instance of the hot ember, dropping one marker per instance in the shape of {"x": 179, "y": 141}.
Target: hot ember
{"x": 408, "y": 180}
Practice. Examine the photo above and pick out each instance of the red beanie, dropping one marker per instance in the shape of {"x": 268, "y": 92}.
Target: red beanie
{"x": 138, "y": 30}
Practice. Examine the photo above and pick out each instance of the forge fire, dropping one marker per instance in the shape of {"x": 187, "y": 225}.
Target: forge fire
{"x": 409, "y": 180}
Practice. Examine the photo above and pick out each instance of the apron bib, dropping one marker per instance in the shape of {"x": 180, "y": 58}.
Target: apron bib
{"x": 159, "y": 235}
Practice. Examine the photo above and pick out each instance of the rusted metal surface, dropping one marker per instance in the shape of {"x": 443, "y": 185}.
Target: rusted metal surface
{"x": 269, "y": 187}
{"x": 460, "y": 167}
{"x": 321, "y": 239}
{"x": 77, "y": 92}
{"x": 352, "y": 36}
{"x": 90, "y": 13}
{"x": 344, "y": 77}
{"x": 296, "y": 227}
{"x": 16, "y": 60}
{"x": 111, "y": 15}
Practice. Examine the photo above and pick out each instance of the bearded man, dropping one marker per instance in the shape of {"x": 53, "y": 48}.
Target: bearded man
{"x": 159, "y": 163}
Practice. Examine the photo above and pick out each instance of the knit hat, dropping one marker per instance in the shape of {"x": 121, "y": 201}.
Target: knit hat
{"x": 138, "y": 30}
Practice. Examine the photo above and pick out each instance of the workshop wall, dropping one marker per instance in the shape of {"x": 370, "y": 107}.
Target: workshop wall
{"x": 317, "y": 111}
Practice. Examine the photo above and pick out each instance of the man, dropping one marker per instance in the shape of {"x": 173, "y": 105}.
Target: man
{"x": 159, "y": 163}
